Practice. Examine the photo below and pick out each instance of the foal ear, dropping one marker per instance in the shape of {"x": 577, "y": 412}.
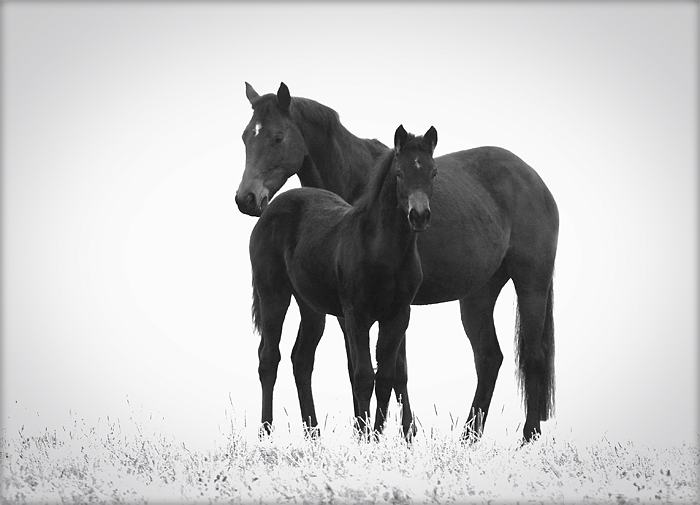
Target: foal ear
{"x": 283, "y": 98}
{"x": 251, "y": 93}
{"x": 430, "y": 138}
{"x": 399, "y": 138}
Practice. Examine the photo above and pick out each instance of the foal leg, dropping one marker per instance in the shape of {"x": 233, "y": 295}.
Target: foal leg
{"x": 303, "y": 354}
{"x": 272, "y": 309}
{"x": 390, "y": 342}
{"x": 351, "y": 373}
{"x": 477, "y": 319}
{"x": 401, "y": 391}
{"x": 357, "y": 332}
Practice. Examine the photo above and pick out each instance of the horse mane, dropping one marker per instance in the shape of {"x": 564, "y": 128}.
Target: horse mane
{"x": 313, "y": 112}
{"x": 316, "y": 113}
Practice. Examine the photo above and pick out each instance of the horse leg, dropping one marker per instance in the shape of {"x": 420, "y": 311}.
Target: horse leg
{"x": 271, "y": 306}
{"x": 355, "y": 406}
{"x": 357, "y": 331}
{"x": 477, "y": 320}
{"x": 303, "y": 354}
{"x": 535, "y": 348}
{"x": 390, "y": 342}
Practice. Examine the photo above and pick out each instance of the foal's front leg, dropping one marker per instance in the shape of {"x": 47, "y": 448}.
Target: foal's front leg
{"x": 391, "y": 347}
{"x": 357, "y": 326}
{"x": 351, "y": 373}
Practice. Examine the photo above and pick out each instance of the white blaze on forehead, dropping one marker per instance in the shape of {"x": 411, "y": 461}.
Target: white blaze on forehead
{"x": 417, "y": 164}
{"x": 258, "y": 127}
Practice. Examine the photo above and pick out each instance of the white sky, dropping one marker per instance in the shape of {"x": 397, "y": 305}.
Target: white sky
{"x": 125, "y": 266}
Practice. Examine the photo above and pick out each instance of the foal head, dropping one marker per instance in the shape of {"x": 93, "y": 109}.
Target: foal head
{"x": 414, "y": 169}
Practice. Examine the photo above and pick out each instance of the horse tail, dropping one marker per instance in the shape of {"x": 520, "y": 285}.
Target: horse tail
{"x": 545, "y": 376}
{"x": 255, "y": 309}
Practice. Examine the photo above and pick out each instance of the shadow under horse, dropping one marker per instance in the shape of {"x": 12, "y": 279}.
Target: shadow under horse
{"x": 359, "y": 263}
{"x": 494, "y": 220}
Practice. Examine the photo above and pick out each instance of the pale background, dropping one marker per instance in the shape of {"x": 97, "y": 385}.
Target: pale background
{"x": 126, "y": 277}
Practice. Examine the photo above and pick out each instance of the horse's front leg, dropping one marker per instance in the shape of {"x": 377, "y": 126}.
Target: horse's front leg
{"x": 357, "y": 325}
{"x": 390, "y": 346}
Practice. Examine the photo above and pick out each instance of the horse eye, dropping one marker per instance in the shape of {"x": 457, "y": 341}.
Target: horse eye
{"x": 278, "y": 138}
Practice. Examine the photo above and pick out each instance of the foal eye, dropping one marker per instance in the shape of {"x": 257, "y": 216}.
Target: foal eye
{"x": 278, "y": 138}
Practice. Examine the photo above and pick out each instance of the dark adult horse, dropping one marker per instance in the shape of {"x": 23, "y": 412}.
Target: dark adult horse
{"x": 494, "y": 220}
{"x": 359, "y": 263}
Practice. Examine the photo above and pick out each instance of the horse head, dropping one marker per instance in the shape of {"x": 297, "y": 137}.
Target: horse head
{"x": 274, "y": 146}
{"x": 415, "y": 170}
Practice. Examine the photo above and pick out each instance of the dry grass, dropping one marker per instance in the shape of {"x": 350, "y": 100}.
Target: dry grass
{"x": 88, "y": 465}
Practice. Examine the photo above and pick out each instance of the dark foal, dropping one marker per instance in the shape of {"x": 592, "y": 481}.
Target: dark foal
{"x": 359, "y": 263}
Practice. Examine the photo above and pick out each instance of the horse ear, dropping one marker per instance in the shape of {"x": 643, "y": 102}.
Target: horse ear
{"x": 399, "y": 138}
{"x": 431, "y": 138}
{"x": 251, "y": 93}
{"x": 283, "y": 97}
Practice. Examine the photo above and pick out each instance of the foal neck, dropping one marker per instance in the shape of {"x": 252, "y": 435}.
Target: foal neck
{"x": 379, "y": 212}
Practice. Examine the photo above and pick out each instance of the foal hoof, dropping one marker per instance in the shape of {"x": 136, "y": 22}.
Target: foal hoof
{"x": 312, "y": 433}
{"x": 264, "y": 431}
{"x": 470, "y": 436}
{"x": 409, "y": 432}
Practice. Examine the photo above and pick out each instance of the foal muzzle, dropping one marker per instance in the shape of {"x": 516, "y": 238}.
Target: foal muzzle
{"x": 418, "y": 211}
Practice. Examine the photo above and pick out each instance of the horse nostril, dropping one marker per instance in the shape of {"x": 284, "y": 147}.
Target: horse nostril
{"x": 263, "y": 203}
{"x": 246, "y": 204}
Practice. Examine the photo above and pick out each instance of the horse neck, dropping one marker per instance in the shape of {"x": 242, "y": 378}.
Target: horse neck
{"x": 337, "y": 160}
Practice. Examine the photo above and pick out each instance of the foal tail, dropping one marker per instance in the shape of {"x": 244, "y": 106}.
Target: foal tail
{"x": 543, "y": 374}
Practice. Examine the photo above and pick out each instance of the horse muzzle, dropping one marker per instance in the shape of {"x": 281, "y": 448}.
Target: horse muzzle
{"x": 418, "y": 212}
{"x": 252, "y": 203}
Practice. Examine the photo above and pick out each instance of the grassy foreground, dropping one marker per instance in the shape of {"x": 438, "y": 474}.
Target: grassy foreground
{"x": 82, "y": 465}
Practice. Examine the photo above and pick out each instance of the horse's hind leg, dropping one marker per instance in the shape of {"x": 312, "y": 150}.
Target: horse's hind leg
{"x": 477, "y": 319}
{"x": 272, "y": 304}
{"x": 303, "y": 355}
{"x": 535, "y": 346}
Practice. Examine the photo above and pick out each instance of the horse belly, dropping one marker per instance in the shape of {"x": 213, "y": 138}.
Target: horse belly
{"x": 452, "y": 279}
{"x": 464, "y": 245}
